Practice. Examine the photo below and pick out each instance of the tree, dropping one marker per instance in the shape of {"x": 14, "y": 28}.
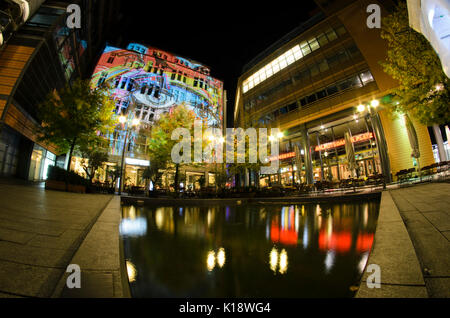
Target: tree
{"x": 160, "y": 144}
{"x": 93, "y": 159}
{"x": 424, "y": 88}
{"x": 74, "y": 115}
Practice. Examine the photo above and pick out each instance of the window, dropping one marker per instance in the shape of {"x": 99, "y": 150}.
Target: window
{"x": 322, "y": 39}
{"x": 331, "y": 35}
{"x": 314, "y": 70}
{"x": 366, "y": 77}
{"x": 292, "y": 107}
{"x": 332, "y": 90}
{"x": 311, "y": 98}
{"x": 124, "y": 82}
{"x": 313, "y": 44}
{"x": 110, "y": 60}
{"x": 305, "y": 48}
{"x": 340, "y": 30}
{"x": 353, "y": 51}
{"x": 323, "y": 66}
{"x": 195, "y": 81}
{"x": 284, "y": 110}
{"x": 303, "y": 101}
{"x": 172, "y": 77}
{"x": 321, "y": 94}
{"x": 143, "y": 89}
{"x": 179, "y": 77}
{"x": 150, "y": 90}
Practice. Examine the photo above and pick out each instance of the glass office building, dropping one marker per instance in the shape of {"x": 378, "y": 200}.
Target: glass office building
{"x": 318, "y": 83}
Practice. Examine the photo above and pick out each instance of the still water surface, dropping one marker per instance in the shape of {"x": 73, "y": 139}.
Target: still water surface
{"x": 260, "y": 250}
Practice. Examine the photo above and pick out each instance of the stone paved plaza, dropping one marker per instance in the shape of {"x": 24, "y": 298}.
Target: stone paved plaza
{"x": 425, "y": 210}
{"x": 40, "y": 232}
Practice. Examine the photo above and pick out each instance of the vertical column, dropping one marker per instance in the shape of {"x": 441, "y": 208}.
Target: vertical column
{"x": 320, "y": 157}
{"x": 381, "y": 145}
{"x": 337, "y": 156}
{"x": 440, "y": 143}
{"x": 308, "y": 159}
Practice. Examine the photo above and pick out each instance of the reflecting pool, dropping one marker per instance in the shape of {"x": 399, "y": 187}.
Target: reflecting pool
{"x": 257, "y": 250}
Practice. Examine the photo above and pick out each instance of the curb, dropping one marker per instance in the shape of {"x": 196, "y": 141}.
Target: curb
{"x": 393, "y": 252}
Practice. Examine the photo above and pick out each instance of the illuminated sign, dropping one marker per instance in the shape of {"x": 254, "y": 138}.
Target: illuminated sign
{"x": 137, "y": 162}
{"x": 283, "y": 156}
{"x": 341, "y": 142}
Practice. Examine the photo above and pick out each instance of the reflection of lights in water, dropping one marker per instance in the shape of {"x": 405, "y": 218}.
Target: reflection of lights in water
{"x": 209, "y": 218}
{"x": 329, "y": 260}
{"x": 318, "y": 209}
{"x": 363, "y": 261}
{"x": 273, "y": 259}
{"x": 221, "y": 257}
{"x": 131, "y": 271}
{"x": 180, "y": 212}
{"x": 211, "y": 260}
{"x": 131, "y": 212}
{"x": 297, "y": 219}
{"x": 366, "y": 214}
{"x": 133, "y": 227}
{"x": 159, "y": 218}
{"x": 305, "y": 236}
{"x": 329, "y": 227}
{"x": 267, "y": 230}
{"x": 283, "y": 261}
{"x": 279, "y": 260}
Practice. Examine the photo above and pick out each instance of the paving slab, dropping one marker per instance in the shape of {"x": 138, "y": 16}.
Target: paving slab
{"x": 393, "y": 291}
{"x": 393, "y": 252}
{"x": 427, "y": 220}
{"x": 40, "y": 231}
{"x": 99, "y": 259}
{"x": 439, "y": 287}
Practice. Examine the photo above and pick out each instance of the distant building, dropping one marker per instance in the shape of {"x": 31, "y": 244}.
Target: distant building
{"x": 146, "y": 82}
{"x": 316, "y": 84}
{"x": 38, "y": 54}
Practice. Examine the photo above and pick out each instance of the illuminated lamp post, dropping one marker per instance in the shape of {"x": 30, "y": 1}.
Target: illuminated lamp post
{"x": 135, "y": 122}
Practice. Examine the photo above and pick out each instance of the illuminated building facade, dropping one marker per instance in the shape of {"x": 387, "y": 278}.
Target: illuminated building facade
{"x": 39, "y": 53}
{"x": 144, "y": 83}
{"x": 319, "y": 82}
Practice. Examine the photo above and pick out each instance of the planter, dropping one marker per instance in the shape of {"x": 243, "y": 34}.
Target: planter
{"x": 61, "y": 186}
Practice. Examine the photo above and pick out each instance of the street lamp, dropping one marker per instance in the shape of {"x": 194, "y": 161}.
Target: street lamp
{"x": 135, "y": 122}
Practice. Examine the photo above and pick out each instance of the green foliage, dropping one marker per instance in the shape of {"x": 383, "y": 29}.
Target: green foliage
{"x": 160, "y": 143}
{"x": 58, "y": 174}
{"x": 424, "y": 88}
{"x": 75, "y": 115}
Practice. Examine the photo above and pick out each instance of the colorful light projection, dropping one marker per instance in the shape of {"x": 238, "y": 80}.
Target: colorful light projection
{"x": 148, "y": 82}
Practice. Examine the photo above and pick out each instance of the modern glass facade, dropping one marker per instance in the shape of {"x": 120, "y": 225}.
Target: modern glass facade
{"x": 42, "y": 55}
{"x": 317, "y": 86}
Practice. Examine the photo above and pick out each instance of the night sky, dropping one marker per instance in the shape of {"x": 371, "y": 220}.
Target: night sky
{"x": 223, "y": 35}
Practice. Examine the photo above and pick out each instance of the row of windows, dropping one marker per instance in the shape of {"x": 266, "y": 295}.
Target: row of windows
{"x": 309, "y": 71}
{"x": 290, "y": 56}
{"x": 355, "y": 81}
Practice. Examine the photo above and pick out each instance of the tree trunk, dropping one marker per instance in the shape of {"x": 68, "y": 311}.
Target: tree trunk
{"x": 72, "y": 147}
{"x": 177, "y": 168}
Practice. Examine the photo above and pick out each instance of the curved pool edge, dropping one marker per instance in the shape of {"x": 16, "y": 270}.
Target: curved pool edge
{"x": 321, "y": 198}
{"x": 392, "y": 250}
{"x": 101, "y": 259}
